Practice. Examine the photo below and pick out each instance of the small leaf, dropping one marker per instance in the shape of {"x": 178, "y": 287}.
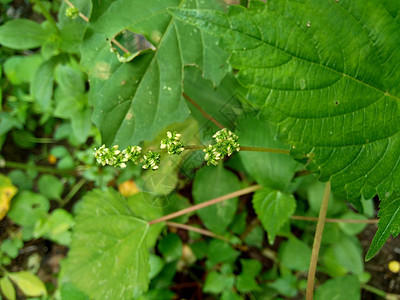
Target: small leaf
{"x": 22, "y": 34}
{"x": 50, "y": 187}
{"x": 28, "y": 208}
{"x": 41, "y": 87}
{"x": 7, "y": 191}
{"x": 108, "y": 257}
{"x": 171, "y": 247}
{"x": 295, "y": 254}
{"x": 219, "y": 251}
{"x": 389, "y": 224}
{"x": 274, "y": 209}
{"x": 28, "y": 283}
{"x": 7, "y": 288}
{"x": 216, "y": 282}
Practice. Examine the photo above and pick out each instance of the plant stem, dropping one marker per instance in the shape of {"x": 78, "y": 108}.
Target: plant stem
{"x": 238, "y": 193}
{"x": 23, "y": 166}
{"x": 73, "y": 191}
{"x": 374, "y": 290}
{"x": 317, "y": 241}
{"x": 202, "y": 111}
{"x": 332, "y": 220}
{"x": 198, "y": 230}
{"x": 45, "y": 13}
{"x": 243, "y": 148}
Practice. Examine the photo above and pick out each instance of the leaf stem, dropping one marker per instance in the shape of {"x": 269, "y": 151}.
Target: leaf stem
{"x": 317, "y": 242}
{"x": 73, "y": 191}
{"x": 198, "y": 230}
{"x": 24, "y": 166}
{"x": 45, "y": 13}
{"x": 202, "y": 111}
{"x": 333, "y": 220}
{"x": 238, "y": 193}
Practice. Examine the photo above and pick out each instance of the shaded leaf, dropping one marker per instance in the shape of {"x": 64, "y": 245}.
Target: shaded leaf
{"x": 347, "y": 287}
{"x": 212, "y": 182}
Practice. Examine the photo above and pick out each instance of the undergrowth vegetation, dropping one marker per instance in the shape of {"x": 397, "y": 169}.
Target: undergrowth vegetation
{"x": 189, "y": 149}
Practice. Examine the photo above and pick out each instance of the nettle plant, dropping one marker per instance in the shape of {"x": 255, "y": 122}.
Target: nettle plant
{"x": 314, "y": 79}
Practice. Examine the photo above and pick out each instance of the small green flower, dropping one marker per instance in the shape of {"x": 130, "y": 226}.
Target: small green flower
{"x": 151, "y": 160}
{"x": 172, "y": 143}
{"x": 72, "y": 12}
{"x": 226, "y": 144}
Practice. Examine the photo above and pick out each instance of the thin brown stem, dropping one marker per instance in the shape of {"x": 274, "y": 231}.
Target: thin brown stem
{"x": 238, "y": 193}
{"x": 196, "y": 229}
{"x": 333, "y": 220}
{"x": 202, "y": 111}
{"x": 317, "y": 242}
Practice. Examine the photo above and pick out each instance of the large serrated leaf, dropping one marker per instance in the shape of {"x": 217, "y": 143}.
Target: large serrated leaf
{"x": 134, "y": 100}
{"x": 327, "y": 73}
{"x": 108, "y": 258}
{"x": 389, "y": 224}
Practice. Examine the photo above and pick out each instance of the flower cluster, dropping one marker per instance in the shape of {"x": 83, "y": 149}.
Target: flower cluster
{"x": 116, "y": 158}
{"x": 151, "y": 160}
{"x": 72, "y": 12}
{"x": 226, "y": 144}
{"x": 172, "y": 143}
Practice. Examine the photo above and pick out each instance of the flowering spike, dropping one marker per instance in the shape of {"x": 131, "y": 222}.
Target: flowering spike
{"x": 172, "y": 143}
{"x": 226, "y": 144}
{"x": 151, "y": 160}
{"x": 117, "y": 158}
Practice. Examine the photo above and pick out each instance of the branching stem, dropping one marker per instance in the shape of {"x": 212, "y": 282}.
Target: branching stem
{"x": 317, "y": 241}
{"x": 198, "y": 230}
{"x": 238, "y": 193}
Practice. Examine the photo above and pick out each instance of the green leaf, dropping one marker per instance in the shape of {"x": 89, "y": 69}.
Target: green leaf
{"x": 274, "y": 209}
{"x": 108, "y": 257}
{"x": 156, "y": 264}
{"x": 255, "y": 237}
{"x": 27, "y": 208}
{"x": 50, "y": 187}
{"x": 28, "y": 283}
{"x": 246, "y": 280}
{"x": 219, "y": 251}
{"x": 171, "y": 247}
{"x": 7, "y": 288}
{"x": 69, "y": 291}
{"x": 21, "y": 69}
{"x": 389, "y": 224}
{"x": 268, "y": 169}
{"x": 295, "y": 254}
{"x": 134, "y": 100}
{"x": 22, "y": 34}
{"x": 344, "y": 256}
{"x": 216, "y": 282}
{"x": 327, "y": 74}
{"x": 212, "y": 182}
{"x": 41, "y": 87}
{"x": 346, "y": 287}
